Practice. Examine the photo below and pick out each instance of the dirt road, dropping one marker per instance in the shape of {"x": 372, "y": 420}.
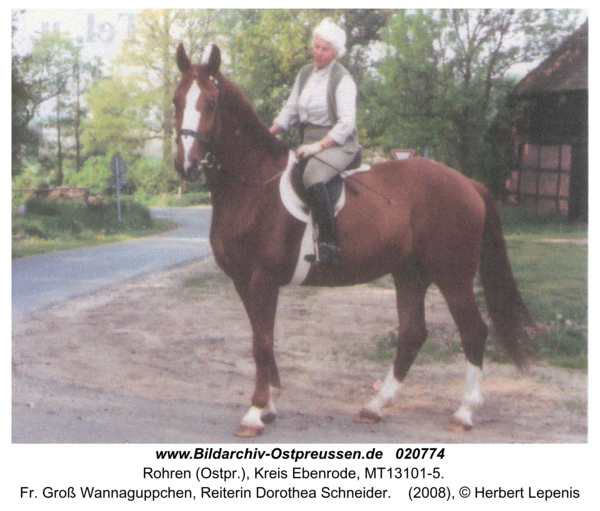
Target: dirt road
{"x": 167, "y": 358}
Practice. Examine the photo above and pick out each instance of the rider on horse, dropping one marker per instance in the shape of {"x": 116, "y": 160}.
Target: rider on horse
{"x": 323, "y": 102}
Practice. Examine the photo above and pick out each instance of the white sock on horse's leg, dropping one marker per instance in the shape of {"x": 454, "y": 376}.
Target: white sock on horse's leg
{"x": 472, "y": 397}
{"x": 255, "y": 415}
{"x": 253, "y": 418}
{"x": 386, "y": 394}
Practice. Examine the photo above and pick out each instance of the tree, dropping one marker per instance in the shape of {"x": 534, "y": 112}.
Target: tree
{"x": 268, "y": 48}
{"x": 54, "y": 55}
{"x": 148, "y": 63}
{"x": 54, "y": 72}
{"x": 114, "y": 121}
{"x": 363, "y": 28}
{"x": 442, "y": 81}
{"x": 84, "y": 75}
{"x": 22, "y": 99}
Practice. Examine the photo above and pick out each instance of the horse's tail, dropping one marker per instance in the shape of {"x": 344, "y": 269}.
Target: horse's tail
{"x": 505, "y": 305}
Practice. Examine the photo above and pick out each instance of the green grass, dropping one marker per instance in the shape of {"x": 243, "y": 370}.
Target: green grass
{"x": 174, "y": 201}
{"x": 552, "y": 278}
{"x": 206, "y": 282}
{"x": 385, "y": 347}
{"x": 50, "y": 225}
{"x": 550, "y": 265}
{"x": 536, "y": 223}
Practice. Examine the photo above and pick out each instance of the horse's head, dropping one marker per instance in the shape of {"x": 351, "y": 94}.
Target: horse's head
{"x": 196, "y": 101}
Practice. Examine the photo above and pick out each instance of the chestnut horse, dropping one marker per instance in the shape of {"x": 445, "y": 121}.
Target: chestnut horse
{"x": 416, "y": 219}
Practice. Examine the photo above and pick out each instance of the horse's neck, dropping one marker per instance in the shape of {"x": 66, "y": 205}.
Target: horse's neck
{"x": 238, "y": 156}
{"x": 245, "y": 160}
{"x": 239, "y": 209}
{"x": 244, "y": 192}
{"x": 246, "y": 170}
{"x": 247, "y": 149}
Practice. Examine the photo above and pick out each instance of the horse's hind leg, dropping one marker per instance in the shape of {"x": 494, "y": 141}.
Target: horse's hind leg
{"x": 473, "y": 333}
{"x": 411, "y": 288}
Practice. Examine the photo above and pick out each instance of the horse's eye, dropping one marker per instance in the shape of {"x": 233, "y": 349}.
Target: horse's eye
{"x": 210, "y": 106}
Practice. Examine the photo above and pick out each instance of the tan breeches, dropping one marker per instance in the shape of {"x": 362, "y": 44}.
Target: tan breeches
{"x": 328, "y": 163}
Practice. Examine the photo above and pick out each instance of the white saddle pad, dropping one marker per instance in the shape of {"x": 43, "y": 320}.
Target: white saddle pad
{"x": 290, "y": 198}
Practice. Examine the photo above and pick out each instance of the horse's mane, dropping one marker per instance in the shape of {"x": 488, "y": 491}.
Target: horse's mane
{"x": 234, "y": 100}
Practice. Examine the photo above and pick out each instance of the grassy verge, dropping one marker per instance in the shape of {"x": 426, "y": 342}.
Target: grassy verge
{"x": 553, "y": 281}
{"x": 174, "y": 201}
{"x": 534, "y": 223}
{"x": 48, "y": 226}
{"x": 549, "y": 258}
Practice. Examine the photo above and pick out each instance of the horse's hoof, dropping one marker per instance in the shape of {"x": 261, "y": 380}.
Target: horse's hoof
{"x": 367, "y": 416}
{"x": 458, "y": 426}
{"x": 269, "y": 418}
{"x": 246, "y": 431}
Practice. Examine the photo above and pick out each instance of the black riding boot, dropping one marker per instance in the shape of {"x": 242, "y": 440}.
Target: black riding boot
{"x": 322, "y": 209}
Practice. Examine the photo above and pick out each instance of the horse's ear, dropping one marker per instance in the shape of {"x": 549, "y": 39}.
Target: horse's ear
{"x": 212, "y": 57}
{"x": 183, "y": 61}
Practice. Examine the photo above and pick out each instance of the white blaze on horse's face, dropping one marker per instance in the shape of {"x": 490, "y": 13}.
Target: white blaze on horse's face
{"x": 191, "y": 121}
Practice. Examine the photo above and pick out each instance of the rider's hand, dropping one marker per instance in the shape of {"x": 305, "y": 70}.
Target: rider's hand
{"x": 275, "y": 129}
{"x": 308, "y": 150}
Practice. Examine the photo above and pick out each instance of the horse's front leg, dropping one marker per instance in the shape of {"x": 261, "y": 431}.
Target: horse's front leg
{"x": 259, "y": 294}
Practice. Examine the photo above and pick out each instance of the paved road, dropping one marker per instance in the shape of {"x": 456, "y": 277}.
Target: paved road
{"x": 43, "y": 280}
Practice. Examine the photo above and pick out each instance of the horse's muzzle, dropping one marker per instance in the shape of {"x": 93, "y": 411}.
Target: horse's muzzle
{"x": 191, "y": 173}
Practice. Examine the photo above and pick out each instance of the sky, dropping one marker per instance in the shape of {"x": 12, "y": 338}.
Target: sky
{"x": 100, "y": 30}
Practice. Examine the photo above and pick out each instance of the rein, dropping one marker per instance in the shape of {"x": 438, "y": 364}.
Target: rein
{"x": 250, "y": 184}
{"x": 351, "y": 178}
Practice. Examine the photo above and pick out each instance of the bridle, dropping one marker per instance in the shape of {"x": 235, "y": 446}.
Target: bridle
{"x": 210, "y": 160}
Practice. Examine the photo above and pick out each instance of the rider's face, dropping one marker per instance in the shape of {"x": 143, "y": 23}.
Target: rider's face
{"x": 323, "y": 53}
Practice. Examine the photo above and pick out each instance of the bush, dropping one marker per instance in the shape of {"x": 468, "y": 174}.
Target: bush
{"x": 29, "y": 227}
{"x": 44, "y": 207}
{"x": 95, "y": 175}
{"x": 134, "y": 216}
{"x": 188, "y": 199}
{"x": 53, "y": 219}
{"x": 149, "y": 176}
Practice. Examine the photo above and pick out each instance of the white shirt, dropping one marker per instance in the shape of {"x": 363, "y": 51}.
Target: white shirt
{"x": 311, "y": 106}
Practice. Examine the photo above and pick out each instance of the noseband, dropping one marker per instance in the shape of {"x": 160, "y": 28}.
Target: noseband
{"x": 210, "y": 160}
{"x": 196, "y": 135}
